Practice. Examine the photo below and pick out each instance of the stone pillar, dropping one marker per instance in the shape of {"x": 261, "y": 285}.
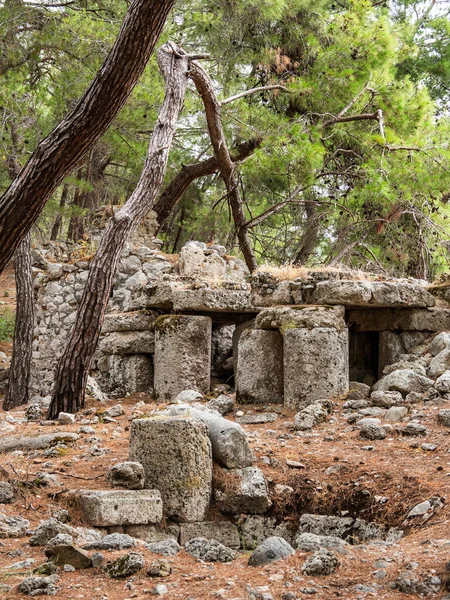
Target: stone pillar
{"x": 315, "y": 365}
{"x": 182, "y": 357}
{"x": 177, "y": 459}
{"x": 259, "y": 371}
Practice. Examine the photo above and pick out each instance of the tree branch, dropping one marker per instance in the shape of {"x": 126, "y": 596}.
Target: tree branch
{"x": 253, "y": 91}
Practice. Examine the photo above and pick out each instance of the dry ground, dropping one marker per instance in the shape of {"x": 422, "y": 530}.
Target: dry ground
{"x": 396, "y": 470}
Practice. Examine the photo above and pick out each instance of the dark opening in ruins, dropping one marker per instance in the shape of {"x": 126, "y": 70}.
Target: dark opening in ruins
{"x": 363, "y": 356}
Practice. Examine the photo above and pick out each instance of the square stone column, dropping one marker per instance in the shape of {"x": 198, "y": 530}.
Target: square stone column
{"x": 315, "y": 365}
{"x": 182, "y": 357}
{"x": 259, "y": 369}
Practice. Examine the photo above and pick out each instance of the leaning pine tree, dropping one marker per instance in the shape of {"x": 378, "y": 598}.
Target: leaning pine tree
{"x": 73, "y": 367}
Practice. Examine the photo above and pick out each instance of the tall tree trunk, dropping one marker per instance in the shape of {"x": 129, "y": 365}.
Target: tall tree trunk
{"x": 73, "y": 367}
{"x": 19, "y": 374}
{"x": 309, "y": 237}
{"x": 212, "y": 105}
{"x": 59, "y": 152}
{"x": 58, "y": 220}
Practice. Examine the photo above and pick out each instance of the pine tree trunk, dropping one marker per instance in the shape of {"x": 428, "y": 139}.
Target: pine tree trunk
{"x": 73, "y": 367}
{"x": 58, "y": 220}
{"x": 19, "y": 374}
{"x": 57, "y": 154}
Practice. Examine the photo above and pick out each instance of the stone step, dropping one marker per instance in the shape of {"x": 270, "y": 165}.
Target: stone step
{"x": 106, "y": 508}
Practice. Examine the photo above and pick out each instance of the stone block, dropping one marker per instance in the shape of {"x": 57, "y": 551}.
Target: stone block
{"x": 301, "y": 316}
{"x": 127, "y": 342}
{"x": 176, "y": 455}
{"x": 242, "y": 491}
{"x": 182, "y": 355}
{"x": 129, "y": 321}
{"x": 406, "y": 319}
{"x": 315, "y": 365}
{"x": 104, "y": 508}
{"x": 259, "y": 374}
{"x": 128, "y": 374}
{"x": 223, "y": 531}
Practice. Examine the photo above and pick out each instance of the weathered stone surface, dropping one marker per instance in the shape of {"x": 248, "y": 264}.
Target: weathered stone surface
{"x": 229, "y": 442}
{"x": 169, "y": 547}
{"x": 439, "y": 343}
{"x": 375, "y": 293}
{"x": 444, "y": 417}
{"x": 122, "y": 375}
{"x": 406, "y": 319}
{"x": 129, "y": 321}
{"x": 258, "y": 418}
{"x": 298, "y": 317}
{"x": 259, "y": 374}
{"x": 182, "y": 355}
{"x": 370, "y": 431}
{"x": 66, "y": 418}
{"x": 396, "y": 413}
{"x": 93, "y": 390}
{"x": 113, "y": 541}
{"x": 159, "y": 568}
{"x": 68, "y": 555}
{"x": 393, "y": 345}
{"x": 47, "y": 530}
{"x": 127, "y": 342}
{"x": 128, "y": 475}
{"x": 39, "y": 586}
{"x": 224, "y": 532}
{"x": 223, "y": 404}
{"x": 271, "y": 550}
{"x": 403, "y": 381}
{"x": 176, "y": 455}
{"x": 23, "y": 442}
{"x": 352, "y": 530}
{"x": 126, "y": 565}
{"x": 312, "y": 415}
{"x": 315, "y": 365}
{"x": 209, "y": 550}
{"x": 311, "y": 541}
{"x": 198, "y": 263}
{"x": 188, "y": 396}
{"x": 13, "y": 527}
{"x": 443, "y": 382}
{"x": 242, "y": 491}
{"x": 439, "y": 364}
{"x": 255, "y": 529}
{"x": 153, "y": 533}
{"x": 104, "y": 508}
{"x": 322, "y": 562}
{"x": 386, "y": 399}
{"x": 6, "y": 492}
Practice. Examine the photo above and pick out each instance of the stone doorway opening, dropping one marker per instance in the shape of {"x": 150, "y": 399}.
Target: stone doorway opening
{"x": 364, "y": 356}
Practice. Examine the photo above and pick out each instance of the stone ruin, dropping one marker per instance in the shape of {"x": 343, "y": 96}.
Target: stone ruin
{"x": 197, "y": 320}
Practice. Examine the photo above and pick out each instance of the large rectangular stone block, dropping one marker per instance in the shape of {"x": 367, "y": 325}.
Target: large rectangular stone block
{"x": 106, "y": 508}
{"x": 315, "y": 365}
{"x": 177, "y": 459}
{"x": 182, "y": 357}
{"x": 224, "y": 532}
{"x": 259, "y": 373}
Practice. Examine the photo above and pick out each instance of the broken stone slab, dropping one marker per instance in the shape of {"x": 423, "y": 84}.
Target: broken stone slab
{"x": 113, "y": 541}
{"x": 258, "y": 418}
{"x": 176, "y": 455}
{"x": 439, "y": 364}
{"x": 316, "y": 365}
{"x": 103, "y": 508}
{"x": 271, "y": 550}
{"x": 259, "y": 371}
{"x": 311, "y": 541}
{"x": 68, "y": 555}
{"x": 224, "y": 532}
{"x": 374, "y": 293}
{"x": 127, "y": 342}
{"x": 23, "y": 442}
{"x": 13, "y": 527}
{"x": 242, "y": 491}
{"x": 347, "y": 528}
{"x": 439, "y": 343}
{"x": 223, "y": 404}
{"x": 403, "y": 381}
{"x": 229, "y": 442}
{"x": 322, "y": 562}
{"x": 209, "y": 550}
{"x": 182, "y": 358}
{"x": 298, "y": 317}
{"x": 129, "y": 321}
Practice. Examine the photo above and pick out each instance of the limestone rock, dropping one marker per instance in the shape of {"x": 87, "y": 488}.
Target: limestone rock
{"x": 113, "y": 541}
{"x": 6, "y": 492}
{"x": 176, "y": 371}
{"x": 39, "y": 586}
{"x": 310, "y": 541}
{"x": 187, "y": 396}
{"x": 242, "y": 491}
{"x": 128, "y": 475}
{"x": 13, "y": 527}
{"x": 66, "y": 418}
{"x": 403, "y": 381}
{"x": 440, "y": 342}
{"x": 322, "y": 562}
{"x": 410, "y": 584}
{"x": 176, "y": 455}
{"x": 60, "y": 539}
{"x": 105, "y": 508}
{"x": 209, "y": 550}
{"x": 93, "y": 390}
{"x": 299, "y": 317}
{"x": 169, "y": 547}
{"x": 370, "y": 431}
{"x": 439, "y": 364}
{"x": 125, "y": 566}
{"x": 385, "y": 399}
{"x": 395, "y": 413}
{"x": 68, "y": 555}
{"x": 443, "y": 382}
{"x": 224, "y": 532}
{"x": 23, "y": 442}
{"x": 255, "y": 529}
{"x": 312, "y": 415}
{"x": 223, "y": 404}
{"x": 271, "y": 550}
{"x": 46, "y": 530}
{"x": 444, "y": 417}
{"x": 159, "y": 568}
{"x": 259, "y": 373}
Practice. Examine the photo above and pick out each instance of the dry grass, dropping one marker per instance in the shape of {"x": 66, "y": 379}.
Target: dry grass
{"x": 289, "y": 272}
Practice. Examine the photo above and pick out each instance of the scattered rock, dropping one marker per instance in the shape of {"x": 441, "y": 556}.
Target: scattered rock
{"x": 46, "y": 530}
{"x": 444, "y": 417}
{"x": 125, "y": 565}
{"x": 414, "y": 429}
{"x": 159, "y": 568}
{"x": 6, "y": 492}
{"x": 115, "y": 411}
{"x": 168, "y": 547}
{"x": 188, "y": 396}
{"x": 113, "y": 541}
{"x": 403, "y": 381}
{"x": 223, "y": 404}
{"x": 370, "y": 431}
{"x": 66, "y": 418}
{"x": 310, "y": 541}
{"x": 322, "y": 562}
{"x": 61, "y": 539}
{"x": 242, "y": 491}
{"x": 97, "y": 559}
{"x": 294, "y": 464}
{"x": 312, "y": 415}
{"x": 209, "y": 550}
{"x": 271, "y": 550}
{"x": 13, "y": 527}
{"x": 23, "y": 442}
{"x": 68, "y": 555}
{"x": 39, "y": 586}
{"x": 409, "y": 584}
{"x": 128, "y": 474}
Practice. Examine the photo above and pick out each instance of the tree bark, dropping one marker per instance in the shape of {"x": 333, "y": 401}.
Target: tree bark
{"x": 212, "y": 105}
{"x": 309, "y": 237}
{"x": 58, "y": 220}
{"x": 73, "y": 367}
{"x": 19, "y": 374}
{"x": 57, "y": 154}
{"x": 174, "y": 191}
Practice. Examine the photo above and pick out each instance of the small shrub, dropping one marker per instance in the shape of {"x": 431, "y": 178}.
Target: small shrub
{"x": 6, "y": 325}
